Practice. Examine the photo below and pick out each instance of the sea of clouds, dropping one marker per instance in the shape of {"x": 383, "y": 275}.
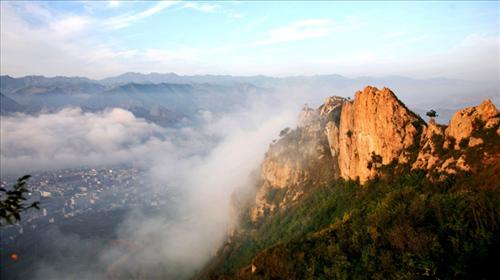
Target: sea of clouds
{"x": 205, "y": 162}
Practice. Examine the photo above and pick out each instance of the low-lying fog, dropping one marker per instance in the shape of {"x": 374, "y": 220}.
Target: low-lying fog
{"x": 205, "y": 162}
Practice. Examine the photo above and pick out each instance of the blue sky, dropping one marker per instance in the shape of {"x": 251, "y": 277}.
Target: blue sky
{"x": 99, "y": 39}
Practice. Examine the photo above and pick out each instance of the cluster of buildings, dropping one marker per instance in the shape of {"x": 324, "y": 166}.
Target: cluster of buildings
{"x": 67, "y": 193}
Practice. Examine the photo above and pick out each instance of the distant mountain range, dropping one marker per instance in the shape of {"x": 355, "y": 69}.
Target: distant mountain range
{"x": 164, "y": 103}
{"x": 9, "y": 105}
{"x": 183, "y": 96}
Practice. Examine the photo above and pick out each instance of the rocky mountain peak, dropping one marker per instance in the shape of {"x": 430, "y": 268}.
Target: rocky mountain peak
{"x": 331, "y": 104}
{"x": 307, "y": 116}
{"x": 470, "y": 119}
{"x": 374, "y": 125}
{"x": 352, "y": 139}
{"x": 421, "y": 171}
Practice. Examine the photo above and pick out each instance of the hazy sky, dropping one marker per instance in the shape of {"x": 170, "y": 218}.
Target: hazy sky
{"x": 99, "y": 39}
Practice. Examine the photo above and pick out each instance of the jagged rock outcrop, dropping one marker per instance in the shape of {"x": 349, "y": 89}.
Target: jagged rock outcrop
{"x": 330, "y": 111}
{"x": 374, "y": 134}
{"x": 459, "y": 146}
{"x": 307, "y": 117}
{"x": 351, "y": 139}
{"x": 428, "y": 154}
{"x": 300, "y": 157}
{"x": 470, "y": 119}
{"x": 374, "y": 124}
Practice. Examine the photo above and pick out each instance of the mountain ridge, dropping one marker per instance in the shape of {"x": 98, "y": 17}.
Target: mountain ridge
{"x": 155, "y": 78}
{"x": 419, "y": 94}
{"x": 373, "y": 147}
{"x": 354, "y": 137}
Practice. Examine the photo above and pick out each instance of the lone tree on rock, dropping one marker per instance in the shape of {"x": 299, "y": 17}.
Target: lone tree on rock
{"x": 432, "y": 114}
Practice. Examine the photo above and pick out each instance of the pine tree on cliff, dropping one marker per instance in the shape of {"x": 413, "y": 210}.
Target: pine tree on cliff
{"x": 432, "y": 114}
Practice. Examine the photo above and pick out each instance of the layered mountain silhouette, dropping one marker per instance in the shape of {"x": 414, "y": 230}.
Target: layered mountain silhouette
{"x": 39, "y": 93}
{"x": 164, "y": 103}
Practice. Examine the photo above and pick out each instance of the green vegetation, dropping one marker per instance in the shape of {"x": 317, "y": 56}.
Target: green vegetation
{"x": 284, "y": 132}
{"x": 12, "y": 202}
{"x": 490, "y": 139}
{"x": 404, "y": 227}
{"x": 432, "y": 113}
{"x": 275, "y": 195}
{"x": 375, "y": 162}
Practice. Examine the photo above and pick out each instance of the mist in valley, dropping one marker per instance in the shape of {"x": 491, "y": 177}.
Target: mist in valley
{"x": 201, "y": 164}
{"x": 197, "y": 163}
{"x": 138, "y": 121}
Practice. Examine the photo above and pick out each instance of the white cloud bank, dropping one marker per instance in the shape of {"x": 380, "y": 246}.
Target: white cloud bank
{"x": 72, "y": 138}
{"x": 206, "y": 171}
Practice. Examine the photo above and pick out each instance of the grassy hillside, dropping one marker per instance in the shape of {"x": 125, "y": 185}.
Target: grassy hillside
{"x": 401, "y": 226}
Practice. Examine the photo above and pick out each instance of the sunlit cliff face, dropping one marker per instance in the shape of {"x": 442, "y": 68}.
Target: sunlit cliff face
{"x": 352, "y": 139}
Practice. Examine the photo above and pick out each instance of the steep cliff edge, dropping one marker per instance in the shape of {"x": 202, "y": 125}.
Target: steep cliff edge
{"x": 300, "y": 158}
{"x": 366, "y": 185}
{"x": 374, "y": 128}
{"x": 352, "y": 139}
